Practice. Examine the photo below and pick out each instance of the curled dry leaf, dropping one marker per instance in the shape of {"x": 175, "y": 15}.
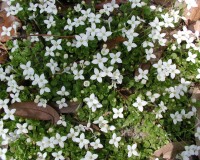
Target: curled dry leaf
{"x": 10, "y": 21}
{"x": 194, "y": 14}
{"x": 30, "y": 110}
{"x": 170, "y": 150}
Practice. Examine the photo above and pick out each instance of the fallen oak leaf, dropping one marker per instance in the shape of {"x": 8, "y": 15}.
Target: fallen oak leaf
{"x": 31, "y": 110}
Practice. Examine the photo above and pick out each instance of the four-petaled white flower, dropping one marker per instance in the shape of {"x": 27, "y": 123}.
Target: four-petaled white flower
{"x": 139, "y": 104}
{"x": 176, "y": 117}
{"x": 118, "y": 113}
{"x": 103, "y": 34}
{"x": 115, "y": 140}
{"x": 98, "y": 75}
{"x": 115, "y": 58}
{"x": 63, "y": 92}
{"x": 129, "y": 44}
{"x": 96, "y": 144}
{"x": 132, "y": 150}
{"x": 6, "y": 31}
{"x": 90, "y": 156}
{"x": 81, "y": 40}
{"x": 22, "y": 128}
{"x": 9, "y": 114}
{"x": 83, "y": 142}
{"x": 58, "y": 155}
{"x": 191, "y": 57}
{"x": 62, "y": 103}
{"x": 56, "y": 44}
{"x": 78, "y": 74}
{"x": 99, "y": 60}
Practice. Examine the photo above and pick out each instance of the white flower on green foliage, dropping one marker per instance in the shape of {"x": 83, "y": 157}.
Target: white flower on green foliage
{"x": 139, "y": 104}
{"x": 132, "y": 150}
{"x": 118, "y": 113}
{"x": 115, "y": 140}
{"x": 90, "y": 156}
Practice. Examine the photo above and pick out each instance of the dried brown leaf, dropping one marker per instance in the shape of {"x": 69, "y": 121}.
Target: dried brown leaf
{"x": 112, "y": 43}
{"x": 165, "y": 3}
{"x": 195, "y": 26}
{"x": 30, "y": 110}
{"x": 7, "y": 22}
{"x": 194, "y": 13}
{"x": 170, "y": 150}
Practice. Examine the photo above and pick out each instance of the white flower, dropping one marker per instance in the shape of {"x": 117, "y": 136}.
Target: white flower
{"x": 168, "y": 21}
{"x": 56, "y": 44}
{"x": 173, "y": 71}
{"x": 191, "y": 57}
{"x": 9, "y": 114}
{"x": 41, "y": 156}
{"x": 132, "y": 150}
{"x": 139, "y": 104}
{"x": 69, "y": 25}
{"x": 62, "y": 103}
{"x": 6, "y": 31}
{"x": 81, "y": 39}
{"x": 100, "y": 60}
{"x": 136, "y": 3}
{"x": 39, "y": 80}
{"x": 176, "y": 117}
{"x": 4, "y": 103}
{"x": 118, "y": 113}
{"x": 44, "y": 89}
{"x": 142, "y": 74}
{"x": 115, "y": 58}
{"x": 78, "y": 74}
{"x": 53, "y": 65}
{"x": 98, "y": 75}
{"x": 15, "y": 97}
{"x": 149, "y": 54}
{"x": 82, "y": 141}
{"x": 3, "y": 153}
{"x": 152, "y": 97}
{"x": 129, "y": 44}
{"x": 96, "y": 144}
{"x": 50, "y": 22}
{"x": 93, "y": 102}
{"x": 58, "y": 155}
{"x": 32, "y": 7}
{"x": 133, "y": 22}
{"x": 103, "y": 34}
{"x": 72, "y": 134}
{"x": 28, "y": 71}
{"x": 63, "y": 92}
{"x": 90, "y": 156}
{"x": 60, "y": 140}
{"x": 156, "y": 24}
{"x": 49, "y": 51}
{"x": 22, "y": 128}
{"x": 197, "y": 134}
{"x": 115, "y": 140}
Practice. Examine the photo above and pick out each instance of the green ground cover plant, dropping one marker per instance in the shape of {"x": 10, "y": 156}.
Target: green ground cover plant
{"x": 130, "y": 64}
